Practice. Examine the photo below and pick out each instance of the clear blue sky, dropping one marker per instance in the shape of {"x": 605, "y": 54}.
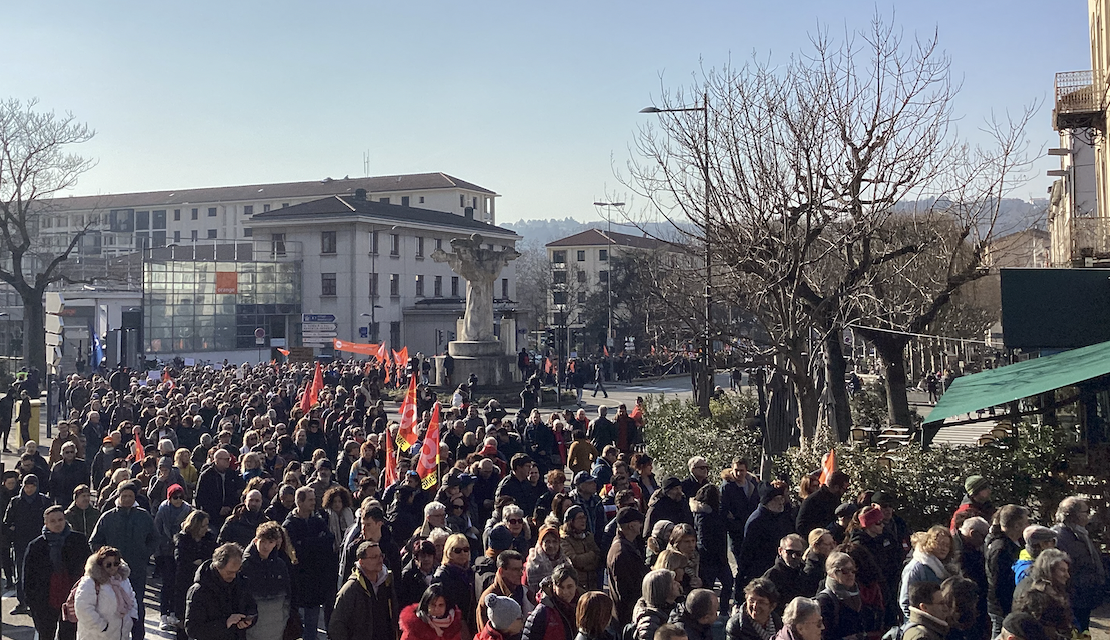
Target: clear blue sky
{"x": 536, "y": 101}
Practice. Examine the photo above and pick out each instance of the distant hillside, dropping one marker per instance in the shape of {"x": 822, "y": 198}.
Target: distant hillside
{"x": 541, "y": 232}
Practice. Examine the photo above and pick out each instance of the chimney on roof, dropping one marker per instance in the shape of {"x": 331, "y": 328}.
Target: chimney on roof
{"x": 469, "y": 213}
{"x": 360, "y": 195}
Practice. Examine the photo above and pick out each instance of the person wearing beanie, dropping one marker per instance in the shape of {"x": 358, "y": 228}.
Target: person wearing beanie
{"x": 768, "y": 524}
{"x": 585, "y": 495}
{"x": 658, "y": 540}
{"x": 130, "y": 529}
{"x": 167, "y": 522}
{"x": 843, "y": 517}
{"x": 23, "y": 523}
{"x": 509, "y": 583}
{"x": 668, "y": 503}
{"x": 976, "y": 501}
{"x": 625, "y": 562}
{"x": 580, "y": 547}
{"x": 544, "y": 557}
{"x": 1037, "y": 539}
{"x": 887, "y": 553}
{"x": 503, "y": 618}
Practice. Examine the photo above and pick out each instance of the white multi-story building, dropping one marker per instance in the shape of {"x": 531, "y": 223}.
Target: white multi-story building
{"x": 123, "y": 223}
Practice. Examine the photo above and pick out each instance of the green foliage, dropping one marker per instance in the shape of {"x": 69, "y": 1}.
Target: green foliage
{"x": 929, "y": 483}
{"x": 869, "y": 406}
{"x": 675, "y": 432}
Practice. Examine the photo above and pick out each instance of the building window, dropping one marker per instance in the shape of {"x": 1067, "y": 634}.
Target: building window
{"x": 142, "y": 220}
{"x": 277, "y": 243}
{"x": 420, "y": 286}
{"x": 193, "y": 214}
{"x": 327, "y": 284}
{"x": 176, "y": 237}
{"x": 603, "y": 276}
{"x": 373, "y": 285}
{"x": 374, "y": 243}
{"x": 177, "y": 215}
{"x": 581, "y": 256}
{"x": 193, "y": 235}
{"x": 462, "y": 200}
{"x": 505, "y": 288}
{"x": 211, "y": 212}
{"x": 394, "y": 244}
{"x": 248, "y": 232}
{"x": 327, "y": 242}
{"x": 581, "y": 297}
{"x": 265, "y": 207}
{"x": 559, "y": 297}
{"x": 439, "y": 244}
{"x": 419, "y": 247}
{"x": 421, "y": 199}
{"x": 384, "y": 200}
{"x": 248, "y": 209}
{"x": 559, "y": 277}
{"x": 437, "y": 287}
{"x": 284, "y": 205}
{"x": 603, "y": 255}
{"x": 404, "y": 201}
{"x": 558, "y": 257}
{"x": 581, "y": 276}
{"x": 158, "y": 219}
{"x": 454, "y": 286}
{"x": 395, "y": 332}
{"x": 474, "y": 202}
{"x": 211, "y": 234}
{"x": 394, "y": 284}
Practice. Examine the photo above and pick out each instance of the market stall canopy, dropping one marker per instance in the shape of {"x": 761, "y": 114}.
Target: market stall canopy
{"x": 1020, "y": 380}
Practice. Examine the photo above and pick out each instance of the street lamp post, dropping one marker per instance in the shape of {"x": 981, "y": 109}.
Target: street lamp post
{"x": 609, "y": 336}
{"x": 706, "y": 377}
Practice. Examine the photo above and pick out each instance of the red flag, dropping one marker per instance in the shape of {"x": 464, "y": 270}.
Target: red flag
{"x": 312, "y": 391}
{"x": 390, "y": 462}
{"x": 547, "y": 365}
{"x": 140, "y": 452}
{"x": 428, "y": 466}
{"x": 354, "y": 347}
{"x": 383, "y": 353}
{"x": 828, "y": 466}
{"x": 401, "y": 357}
{"x": 284, "y": 352}
{"x": 406, "y": 436}
{"x": 605, "y": 350}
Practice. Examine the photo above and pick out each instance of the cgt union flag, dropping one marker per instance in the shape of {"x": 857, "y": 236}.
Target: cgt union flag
{"x": 428, "y": 467}
{"x": 406, "y": 435}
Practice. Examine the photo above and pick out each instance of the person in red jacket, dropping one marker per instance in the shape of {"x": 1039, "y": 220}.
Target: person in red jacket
{"x": 430, "y": 619}
{"x": 504, "y": 620}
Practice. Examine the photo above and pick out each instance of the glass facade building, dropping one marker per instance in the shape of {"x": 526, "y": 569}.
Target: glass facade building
{"x": 213, "y": 296}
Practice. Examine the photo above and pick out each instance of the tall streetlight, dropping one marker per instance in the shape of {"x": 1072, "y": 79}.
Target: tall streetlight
{"x": 706, "y": 377}
{"x": 609, "y": 337}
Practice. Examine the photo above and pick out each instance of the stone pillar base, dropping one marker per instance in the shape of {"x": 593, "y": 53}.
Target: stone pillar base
{"x": 487, "y": 360}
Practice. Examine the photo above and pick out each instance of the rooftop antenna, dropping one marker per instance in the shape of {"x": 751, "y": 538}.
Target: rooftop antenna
{"x": 366, "y": 163}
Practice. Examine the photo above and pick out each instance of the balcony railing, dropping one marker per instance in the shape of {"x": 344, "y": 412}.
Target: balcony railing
{"x": 1090, "y": 237}
{"x": 1079, "y": 102}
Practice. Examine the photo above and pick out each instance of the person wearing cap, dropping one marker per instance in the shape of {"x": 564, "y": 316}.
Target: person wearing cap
{"x": 503, "y": 618}
{"x": 843, "y": 517}
{"x": 668, "y": 503}
{"x": 131, "y": 530}
{"x": 976, "y": 500}
{"x": 625, "y": 562}
{"x": 1037, "y": 539}
{"x": 1088, "y": 573}
{"x": 1003, "y": 545}
{"x": 584, "y": 494}
{"x": 508, "y": 583}
{"x": 931, "y": 550}
{"x": 167, "y": 522}
{"x": 819, "y": 508}
{"x": 57, "y": 561}
{"x": 22, "y": 524}
{"x": 892, "y": 522}
{"x": 1022, "y": 626}
{"x": 67, "y": 473}
{"x": 516, "y": 484}
{"x": 366, "y": 608}
{"x": 768, "y": 524}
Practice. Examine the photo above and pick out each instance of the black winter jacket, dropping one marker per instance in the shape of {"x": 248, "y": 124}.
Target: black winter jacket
{"x": 314, "y": 575}
{"x": 1000, "y": 556}
{"x": 36, "y": 582}
{"x": 211, "y": 601}
{"x": 266, "y": 578}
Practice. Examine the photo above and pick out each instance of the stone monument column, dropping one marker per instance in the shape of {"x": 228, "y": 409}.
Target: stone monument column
{"x": 477, "y": 350}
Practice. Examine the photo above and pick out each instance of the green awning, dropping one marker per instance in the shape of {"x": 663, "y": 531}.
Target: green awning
{"x": 1020, "y": 380}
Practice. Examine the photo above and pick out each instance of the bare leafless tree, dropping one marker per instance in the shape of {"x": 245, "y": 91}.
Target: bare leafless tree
{"x": 35, "y": 165}
{"x": 807, "y": 161}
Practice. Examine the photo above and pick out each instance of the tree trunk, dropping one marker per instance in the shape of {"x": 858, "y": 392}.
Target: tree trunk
{"x": 835, "y": 368}
{"x": 34, "y": 333}
{"x": 809, "y": 404}
{"x": 891, "y": 347}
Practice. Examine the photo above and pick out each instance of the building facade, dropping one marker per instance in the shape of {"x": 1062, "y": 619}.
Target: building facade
{"x": 118, "y": 224}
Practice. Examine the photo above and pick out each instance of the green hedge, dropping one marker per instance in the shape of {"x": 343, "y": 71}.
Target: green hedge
{"x": 674, "y": 432}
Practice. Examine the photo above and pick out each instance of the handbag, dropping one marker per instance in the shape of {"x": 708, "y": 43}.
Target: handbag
{"x": 294, "y": 628}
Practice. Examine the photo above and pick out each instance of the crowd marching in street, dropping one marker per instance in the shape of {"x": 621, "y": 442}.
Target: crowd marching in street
{"x": 286, "y": 501}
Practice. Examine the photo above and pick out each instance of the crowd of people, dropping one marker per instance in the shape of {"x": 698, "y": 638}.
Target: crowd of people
{"x": 242, "y": 509}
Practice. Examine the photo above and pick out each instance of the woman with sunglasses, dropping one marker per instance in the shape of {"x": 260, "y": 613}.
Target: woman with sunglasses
{"x": 457, "y": 581}
{"x": 105, "y": 602}
{"x": 842, "y": 607}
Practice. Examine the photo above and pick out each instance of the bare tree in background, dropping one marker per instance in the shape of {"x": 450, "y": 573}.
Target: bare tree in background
{"x": 35, "y": 166}
{"x": 807, "y": 161}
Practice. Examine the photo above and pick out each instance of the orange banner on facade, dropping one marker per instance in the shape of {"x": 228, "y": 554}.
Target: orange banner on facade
{"x": 356, "y": 347}
{"x": 227, "y": 282}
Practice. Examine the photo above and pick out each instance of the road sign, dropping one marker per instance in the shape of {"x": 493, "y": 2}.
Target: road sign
{"x": 260, "y": 333}
{"x": 319, "y": 334}
{"x": 317, "y": 317}
{"x": 319, "y": 326}
{"x": 277, "y": 342}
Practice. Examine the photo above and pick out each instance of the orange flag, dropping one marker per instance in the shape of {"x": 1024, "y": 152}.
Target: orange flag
{"x": 401, "y": 357}
{"x": 140, "y": 452}
{"x": 355, "y": 347}
{"x": 428, "y": 466}
{"x": 312, "y": 391}
{"x": 383, "y": 353}
{"x": 284, "y": 352}
{"x": 406, "y": 436}
{"x": 390, "y": 463}
{"x": 828, "y": 466}
{"x": 605, "y": 350}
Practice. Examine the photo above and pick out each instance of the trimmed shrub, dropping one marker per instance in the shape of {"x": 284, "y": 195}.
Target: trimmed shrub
{"x": 674, "y": 432}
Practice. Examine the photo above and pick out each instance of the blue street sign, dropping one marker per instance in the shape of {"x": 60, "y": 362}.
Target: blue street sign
{"x": 317, "y": 317}
{"x": 363, "y": 332}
